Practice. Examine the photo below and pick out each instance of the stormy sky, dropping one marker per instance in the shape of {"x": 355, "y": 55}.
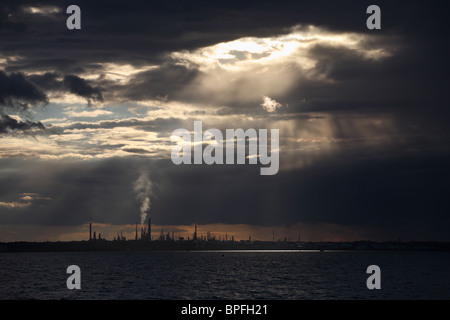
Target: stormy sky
{"x": 86, "y": 118}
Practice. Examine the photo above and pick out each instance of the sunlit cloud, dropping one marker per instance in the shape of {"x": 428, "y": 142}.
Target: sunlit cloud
{"x": 119, "y": 72}
{"x": 66, "y": 98}
{"x": 14, "y": 204}
{"x": 293, "y": 46}
{"x": 270, "y": 105}
{"x": 42, "y": 10}
{"x": 242, "y": 71}
{"x": 88, "y": 114}
{"x": 25, "y": 200}
{"x": 33, "y": 196}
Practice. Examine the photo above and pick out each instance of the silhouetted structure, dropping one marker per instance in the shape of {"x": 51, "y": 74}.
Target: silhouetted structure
{"x": 149, "y": 233}
{"x": 168, "y": 243}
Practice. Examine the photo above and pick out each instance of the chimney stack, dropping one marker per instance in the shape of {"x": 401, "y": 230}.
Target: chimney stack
{"x": 149, "y": 235}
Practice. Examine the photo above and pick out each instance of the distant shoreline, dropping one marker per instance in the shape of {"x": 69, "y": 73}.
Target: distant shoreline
{"x": 191, "y": 245}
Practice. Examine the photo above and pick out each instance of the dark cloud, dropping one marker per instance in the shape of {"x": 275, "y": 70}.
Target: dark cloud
{"x": 392, "y": 194}
{"x": 394, "y": 82}
{"x": 17, "y": 92}
{"x": 99, "y": 191}
{"x": 57, "y": 82}
{"x": 81, "y": 88}
{"x": 136, "y": 150}
{"x": 47, "y": 81}
{"x": 158, "y": 27}
{"x": 402, "y": 181}
{"x": 10, "y": 125}
{"x": 142, "y": 33}
{"x": 157, "y": 125}
{"x": 167, "y": 80}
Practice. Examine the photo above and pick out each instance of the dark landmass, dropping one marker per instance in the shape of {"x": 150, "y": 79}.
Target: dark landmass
{"x": 191, "y": 245}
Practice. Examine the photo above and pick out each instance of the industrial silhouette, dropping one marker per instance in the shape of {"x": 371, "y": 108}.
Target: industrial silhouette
{"x": 143, "y": 241}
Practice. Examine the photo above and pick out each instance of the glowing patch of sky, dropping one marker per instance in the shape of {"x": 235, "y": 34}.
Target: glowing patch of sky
{"x": 240, "y": 53}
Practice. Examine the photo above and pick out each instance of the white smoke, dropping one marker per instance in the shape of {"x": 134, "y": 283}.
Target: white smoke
{"x": 143, "y": 188}
{"x": 270, "y": 105}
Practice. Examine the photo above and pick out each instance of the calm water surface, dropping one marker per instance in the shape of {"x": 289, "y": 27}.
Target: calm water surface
{"x": 225, "y": 275}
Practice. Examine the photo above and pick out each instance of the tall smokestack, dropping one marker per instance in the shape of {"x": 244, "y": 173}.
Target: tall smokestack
{"x": 195, "y": 233}
{"x": 90, "y": 230}
{"x": 149, "y": 229}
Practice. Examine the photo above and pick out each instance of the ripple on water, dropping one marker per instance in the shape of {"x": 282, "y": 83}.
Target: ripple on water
{"x": 234, "y": 275}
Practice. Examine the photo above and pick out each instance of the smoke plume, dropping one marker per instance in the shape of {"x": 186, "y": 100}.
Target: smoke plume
{"x": 143, "y": 188}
